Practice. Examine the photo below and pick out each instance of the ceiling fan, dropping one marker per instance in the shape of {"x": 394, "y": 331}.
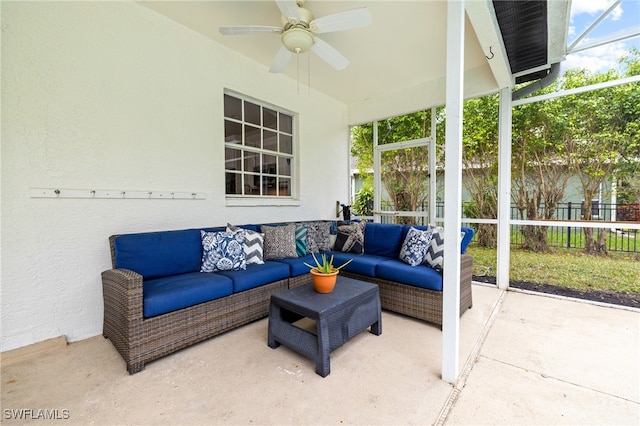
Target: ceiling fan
{"x": 299, "y": 29}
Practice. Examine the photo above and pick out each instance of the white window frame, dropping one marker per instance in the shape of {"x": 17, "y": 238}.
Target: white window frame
{"x": 255, "y": 199}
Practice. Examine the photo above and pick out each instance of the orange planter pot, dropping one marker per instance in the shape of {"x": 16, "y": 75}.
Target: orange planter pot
{"x": 324, "y": 283}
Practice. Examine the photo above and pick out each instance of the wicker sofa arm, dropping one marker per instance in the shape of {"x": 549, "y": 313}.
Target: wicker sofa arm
{"x": 466, "y": 265}
{"x": 122, "y": 292}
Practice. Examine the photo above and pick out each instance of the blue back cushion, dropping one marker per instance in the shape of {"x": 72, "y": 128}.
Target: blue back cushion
{"x": 468, "y": 236}
{"x": 159, "y": 254}
{"x": 382, "y": 239}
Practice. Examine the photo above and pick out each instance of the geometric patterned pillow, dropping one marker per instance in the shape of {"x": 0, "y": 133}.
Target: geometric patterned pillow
{"x": 301, "y": 240}
{"x": 222, "y": 251}
{"x": 435, "y": 252}
{"x": 253, "y": 245}
{"x": 319, "y": 237}
{"x": 279, "y": 241}
{"x": 415, "y": 246}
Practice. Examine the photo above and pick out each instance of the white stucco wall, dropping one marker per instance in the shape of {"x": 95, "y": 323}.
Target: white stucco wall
{"x": 112, "y": 96}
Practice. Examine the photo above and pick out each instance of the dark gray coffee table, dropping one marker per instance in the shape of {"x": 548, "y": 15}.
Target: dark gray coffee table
{"x": 352, "y": 307}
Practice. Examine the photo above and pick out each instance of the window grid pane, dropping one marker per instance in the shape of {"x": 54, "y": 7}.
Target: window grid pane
{"x": 263, "y": 167}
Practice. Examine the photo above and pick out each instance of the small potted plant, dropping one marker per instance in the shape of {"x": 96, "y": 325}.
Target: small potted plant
{"x": 324, "y": 273}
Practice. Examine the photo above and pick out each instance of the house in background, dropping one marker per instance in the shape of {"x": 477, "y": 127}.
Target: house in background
{"x": 603, "y": 206}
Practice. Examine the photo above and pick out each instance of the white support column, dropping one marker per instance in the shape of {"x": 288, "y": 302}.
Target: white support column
{"x": 504, "y": 188}
{"x": 453, "y": 194}
{"x": 377, "y": 180}
{"x": 433, "y": 172}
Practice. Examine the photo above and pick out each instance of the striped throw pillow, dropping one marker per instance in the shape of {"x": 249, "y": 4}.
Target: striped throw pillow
{"x": 253, "y": 245}
{"x": 435, "y": 253}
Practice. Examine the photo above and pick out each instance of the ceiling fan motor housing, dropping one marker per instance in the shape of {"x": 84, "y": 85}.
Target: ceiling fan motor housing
{"x": 302, "y": 21}
{"x": 297, "y": 37}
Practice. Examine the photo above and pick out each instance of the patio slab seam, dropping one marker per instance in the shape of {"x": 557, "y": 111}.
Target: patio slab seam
{"x": 470, "y": 362}
{"x": 547, "y": 376}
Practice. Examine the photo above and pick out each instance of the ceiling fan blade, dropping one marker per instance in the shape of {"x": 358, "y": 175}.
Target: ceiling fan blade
{"x": 289, "y": 9}
{"x": 249, "y": 29}
{"x": 281, "y": 60}
{"x": 329, "y": 54}
{"x": 355, "y": 18}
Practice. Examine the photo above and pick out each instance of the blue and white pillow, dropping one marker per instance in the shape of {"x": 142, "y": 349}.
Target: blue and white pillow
{"x": 350, "y": 238}
{"x": 319, "y": 236}
{"x": 223, "y": 251}
{"x": 415, "y": 246}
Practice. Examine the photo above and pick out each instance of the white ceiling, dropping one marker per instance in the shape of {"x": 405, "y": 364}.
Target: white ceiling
{"x": 403, "y": 48}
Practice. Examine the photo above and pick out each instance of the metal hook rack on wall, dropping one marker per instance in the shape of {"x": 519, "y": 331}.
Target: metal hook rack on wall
{"x": 117, "y": 194}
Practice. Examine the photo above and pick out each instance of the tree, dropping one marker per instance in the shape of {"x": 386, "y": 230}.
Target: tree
{"x": 480, "y": 161}
{"x": 404, "y": 172}
{"x": 364, "y": 196}
{"x": 629, "y": 104}
{"x": 539, "y": 174}
{"x": 604, "y": 126}
{"x": 593, "y": 135}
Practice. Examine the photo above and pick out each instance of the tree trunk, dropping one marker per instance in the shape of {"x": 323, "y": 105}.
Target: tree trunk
{"x": 487, "y": 235}
{"x": 601, "y": 245}
{"x": 590, "y": 245}
{"x": 535, "y": 239}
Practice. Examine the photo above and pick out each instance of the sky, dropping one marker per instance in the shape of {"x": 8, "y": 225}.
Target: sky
{"x": 583, "y": 14}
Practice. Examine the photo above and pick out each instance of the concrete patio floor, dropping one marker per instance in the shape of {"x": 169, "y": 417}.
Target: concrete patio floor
{"x": 525, "y": 359}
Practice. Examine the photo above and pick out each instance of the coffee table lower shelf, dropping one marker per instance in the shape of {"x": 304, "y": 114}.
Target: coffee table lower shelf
{"x": 351, "y": 308}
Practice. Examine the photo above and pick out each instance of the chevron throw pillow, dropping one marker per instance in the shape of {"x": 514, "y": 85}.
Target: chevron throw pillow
{"x": 435, "y": 253}
{"x": 253, "y": 245}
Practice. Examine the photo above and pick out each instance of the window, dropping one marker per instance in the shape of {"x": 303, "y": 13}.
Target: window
{"x": 258, "y": 152}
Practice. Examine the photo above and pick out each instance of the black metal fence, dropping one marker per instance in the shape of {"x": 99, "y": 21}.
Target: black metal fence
{"x": 618, "y": 237}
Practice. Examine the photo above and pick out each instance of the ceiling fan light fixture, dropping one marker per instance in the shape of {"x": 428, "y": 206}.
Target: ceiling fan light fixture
{"x": 297, "y": 40}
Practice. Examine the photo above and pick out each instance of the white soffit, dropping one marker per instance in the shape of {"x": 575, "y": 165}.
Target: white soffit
{"x": 483, "y": 19}
{"x": 404, "y": 48}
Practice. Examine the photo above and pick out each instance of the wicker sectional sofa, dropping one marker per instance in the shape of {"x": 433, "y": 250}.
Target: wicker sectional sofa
{"x": 156, "y": 300}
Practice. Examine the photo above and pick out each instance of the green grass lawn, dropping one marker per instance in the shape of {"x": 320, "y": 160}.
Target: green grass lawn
{"x": 565, "y": 267}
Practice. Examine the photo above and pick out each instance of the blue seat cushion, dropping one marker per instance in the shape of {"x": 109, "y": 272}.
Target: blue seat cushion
{"x": 418, "y": 276}
{"x": 383, "y": 239}
{"x": 162, "y": 295}
{"x": 159, "y": 254}
{"x": 256, "y": 275}
{"x": 297, "y": 266}
{"x": 362, "y": 264}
